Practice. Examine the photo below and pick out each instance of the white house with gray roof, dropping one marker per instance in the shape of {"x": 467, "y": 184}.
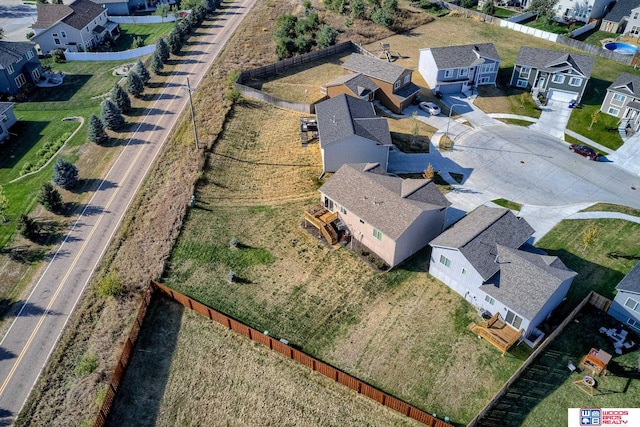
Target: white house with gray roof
{"x": 391, "y": 216}
{"x": 350, "y": 132}
{"x": 485, "y": 258}
{"x": 626, "y": 304}
{"x": 556, "y": 75}
{"x": 615, "y": 21}
{"x": 623, "y": 100}
{"x": 455, "y": 69}
{"x": 7, "y": 119}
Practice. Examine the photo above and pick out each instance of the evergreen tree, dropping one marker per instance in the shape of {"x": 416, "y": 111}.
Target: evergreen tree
{"x": 135, "y": 85}
{"x": 210, "y": 5}
{"x": 142, "y": 71}
{"x": 49, "y": 197}
{"x": 175, "y": 42}
{"x": 120, "y": 98}
{"x": 111, "y": 115}
{"x": 65, "y": 174}
{"x": 96, "y": 130}
{"x": 327, "y": 36}
{"x": 28, "y": 227}
{"x": 163, "y": 50}
{"x": 156, "y": 63}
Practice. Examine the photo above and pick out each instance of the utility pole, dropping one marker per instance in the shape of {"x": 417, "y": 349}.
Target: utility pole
{"x": 193, "y": 114}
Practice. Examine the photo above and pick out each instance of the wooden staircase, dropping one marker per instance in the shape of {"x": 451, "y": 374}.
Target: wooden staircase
{"x": 322, "y": 219}
{"x": 499, "y": 334}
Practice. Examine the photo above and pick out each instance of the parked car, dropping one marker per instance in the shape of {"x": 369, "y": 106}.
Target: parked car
{"x": 430, "y": 108}
{"x": 585, "y": 151}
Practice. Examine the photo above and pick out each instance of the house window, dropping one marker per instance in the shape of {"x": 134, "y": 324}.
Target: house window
{"x": 444, "y": 260}
{"x": 328, "y": 203}
{"x": 54, "y": 34}
{"x": 521, "y": 83}
{"x": 377, "y": 234}
{"x": 361, "y": 222}
{"x": 36, "y": 75}
{"x": 448, "y": 73}
{"x": 635, "y": 15}
{"x": 486, "y": 79}
{"x": 633, "y": 322}
{"x": 4, "y": 117}
{"x": 613, "y": 111}
{"x": 633, "y": 305}
{"x": 525, "y": 72}
{"x": 407, "y": 78}
{"x": 10, "y": 68}
{"x": 558, "y": 78}
{"x": 464, "y": 271}
{"x": 463, "y": 72}
{"x": 490, "y": 300}
{"x": 20, "y": 80}
{"x": 396, "y": 85}
{"x": 619, "y": 97}
{"x": 56, "y": 41}
{"x": 63, "y": 34}
{"x": 575, "y": 81}
{"x": 29, "y": 54}
{"x": 343, "y": 210}
{"x": 513, "y": 319}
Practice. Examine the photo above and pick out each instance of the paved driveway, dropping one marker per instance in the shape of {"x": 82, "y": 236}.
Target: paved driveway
{"x": 554, "y": 118}
{"x": 16, "y": 19}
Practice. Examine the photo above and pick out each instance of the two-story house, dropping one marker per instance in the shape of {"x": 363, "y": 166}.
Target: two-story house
{"x": 632, "y": 27}
{"x": 396, "y": 90}
{"x": 616, "y": 20}
{"x": 623, "y": 100}
{"x": 485, "y": 258}
{"x": 353, "y": 84}
{"x": 392, "y": 216}
{"x": 19, "y": 64}
{"x": 350, "y": 132}
{"x": 78, "y": 26}
{"x": 583, "y": 11}
{"x": 626, "y": 304}
{"x": 125, "y": 7}
{"x": 455, "y": 69}
{"x": 7, "y": 119}
{"x": 556, "y": 75}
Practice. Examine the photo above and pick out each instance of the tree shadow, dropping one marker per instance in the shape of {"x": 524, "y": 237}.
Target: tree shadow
{"x": 92, "y": 184}
{"x": 71, "y": 85}
{"x": 147, "y": 127}
{"x": 6, "y": 417}
{"x": 10, "y": 309}
{"x": 28, "y": 134}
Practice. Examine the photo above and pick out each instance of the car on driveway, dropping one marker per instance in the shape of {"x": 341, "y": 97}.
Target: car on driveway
{"x": 430, "y": 108}
{"x": 585, "y": 151}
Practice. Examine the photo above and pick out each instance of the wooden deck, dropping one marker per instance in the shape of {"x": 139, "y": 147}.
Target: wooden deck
{"x": 321, "y": 218}
{"x": 499, "y": 334}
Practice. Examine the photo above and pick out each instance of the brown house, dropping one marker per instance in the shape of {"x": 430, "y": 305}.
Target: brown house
{"x": 356, "y": 85}
{"x": 396, "y": 91}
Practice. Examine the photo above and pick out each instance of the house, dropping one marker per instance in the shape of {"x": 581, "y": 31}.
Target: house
{"x": 632, "y": 27}
{"x": 78, "y": 26}
{"x": 615, "y": 21}
{"x": 125, "y": 7}
{"x": 350, "y": 132}
{"x": 455, "y": 69}
{"x": 396, "y": 92}
{"x": 623, "y": 100}
{"x": 583, "y": 11}
{"x": 485, "y": 258}
{"x": 556, "y": 75}
{"x": 391, "y": 216}
{"x": 7, "y": 119}
{"x": 626, "y": 304}
{"x": 357, "y": 85}
{"x": 19, "y": 64}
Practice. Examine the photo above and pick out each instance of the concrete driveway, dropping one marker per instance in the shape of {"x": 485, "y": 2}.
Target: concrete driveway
{"x": 554, "y": 118}
{"x": 628, "y": 155}
{"x": 16, "y": 19}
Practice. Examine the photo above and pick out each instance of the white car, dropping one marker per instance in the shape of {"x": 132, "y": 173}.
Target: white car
{"x": 430, "y": 108}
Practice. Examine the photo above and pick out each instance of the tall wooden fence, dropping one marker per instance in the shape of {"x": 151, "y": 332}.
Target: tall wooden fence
{"x": 303, "y": 358}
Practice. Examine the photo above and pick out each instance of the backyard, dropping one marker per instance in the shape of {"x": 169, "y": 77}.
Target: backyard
{"x": 149, "y": 33}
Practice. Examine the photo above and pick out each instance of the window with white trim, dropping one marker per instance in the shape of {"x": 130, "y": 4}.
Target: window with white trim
{"x": 4, "y": 117}
{"x": 490, "y": 300}
{"x": 445, "y": 261}
{"x": 29, "y": 54}
{"x": 633, "y": 322}
{"x": 633, "y": 305}
{"x": 377, "y": 234}
{"x": 63, "y": 34}
{"x": 619, "y": 97}
{"x": 407, "y": 78}
{"x": 56, "y": 41}
{"x": 486, "y": 68}
{"x": 522, "y": 83}
{"x": 448, "y": 73}
{"x": 513, "y": 319}
{"x": 525, "y": 72}
{"x": 613, "y": 111}
{"x": 463, "y": 72}
{"x": 396, "y": 85}
{"x": 484, "y": 80}
{"x": 558, "y": 79}
{"x": 20, "y": 80}
{"x": 10, "y": 69}
{"x": 575, "y": 81}
{"x": 343, "y": 210}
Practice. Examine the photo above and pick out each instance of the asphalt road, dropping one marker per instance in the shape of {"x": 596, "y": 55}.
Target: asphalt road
{"x": 25, "y": 348}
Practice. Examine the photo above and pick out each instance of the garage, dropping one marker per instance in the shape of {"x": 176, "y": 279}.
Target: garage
{"x": 562, "y": 95}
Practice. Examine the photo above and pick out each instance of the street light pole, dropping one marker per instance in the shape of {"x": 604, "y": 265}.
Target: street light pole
{"x": 193, "y": 114}
{"x": 449, "y": 121}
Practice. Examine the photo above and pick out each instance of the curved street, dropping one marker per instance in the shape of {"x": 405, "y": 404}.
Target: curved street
{"x": 25, "y": 348}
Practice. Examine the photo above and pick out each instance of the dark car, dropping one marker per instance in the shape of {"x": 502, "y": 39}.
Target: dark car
{"x": 585, "y": 151}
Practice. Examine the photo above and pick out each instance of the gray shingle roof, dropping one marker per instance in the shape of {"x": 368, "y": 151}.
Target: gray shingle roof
{"x": 631, "y": 282}
{"x": 357, "y": 83}
{"x": 4, "y": 106}
{"x": 345, "y": 116}
{"x": 389, "y": 203}
{"x": 77, "y": 14}
{"x": 526, "y": 280}
{"x": 12, "y": 52}
{"x": 628, "y": 84}
{"x": 620, "y": 9}
{"x": 477, "y": 234}
{"x": 469, "y": 55}
{"x": 555, "y": 61}
{"x": 373, "y": 67}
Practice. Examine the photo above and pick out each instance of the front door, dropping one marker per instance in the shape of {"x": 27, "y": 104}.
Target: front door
{"x": 541, "y": 82}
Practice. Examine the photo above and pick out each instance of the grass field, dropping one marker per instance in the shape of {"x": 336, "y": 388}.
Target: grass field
{"x": 608, "y": 207}
{"x": 149, "y": 33}
{"x": 239, "y": 383}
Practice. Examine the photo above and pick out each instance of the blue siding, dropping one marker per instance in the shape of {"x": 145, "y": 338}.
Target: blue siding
{"x": 623, "y": 313}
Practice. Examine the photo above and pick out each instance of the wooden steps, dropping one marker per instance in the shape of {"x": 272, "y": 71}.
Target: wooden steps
{"x": 322, "y": 219}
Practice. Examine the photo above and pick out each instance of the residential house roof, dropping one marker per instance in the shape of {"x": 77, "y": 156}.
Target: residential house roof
{"x": 4, "y": 106}
{"x": 77, "y": 14}
{"x": 628, "y": 84}
{"x": 12, "y": 52}
{"x": 357, "y": 83}
{"x": 631, "y": 282}
{"x": 374, "y": 67}
{"x": 621, "y": 9}
{"x": 469, "y": 55}
{"x": 389, "y": 203}
{"x": 344, "y": 116}
{"x": 553, "y": 61}
{"x": 477, "y": 235}
{"x": 526, "y": 280}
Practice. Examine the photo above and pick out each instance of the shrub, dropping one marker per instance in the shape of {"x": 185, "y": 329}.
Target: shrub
{"x": 357, "y": 9}
{"x": 382, "y": 16}
{"x": 137, "y": 42}
{"x": 65, "y": 174}
{"x": 111, "y": 115}
{"x": 86, "y": 365}
{"x": 49, "y": 197}
{"x": 110, "y": 286}
{"x": 58, "y": 56}
{"x": 135, "y": 85}
{"x": 120, "y": 98}
{"x": 327, "y": 36}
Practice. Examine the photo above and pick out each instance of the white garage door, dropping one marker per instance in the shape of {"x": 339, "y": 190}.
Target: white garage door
{"x": 562, "y": 96}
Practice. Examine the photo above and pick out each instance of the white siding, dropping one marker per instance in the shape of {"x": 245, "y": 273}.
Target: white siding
{"x": 428, "y": 68}
{"x": 424, "y": 229}
{"x": 464, "y": 284}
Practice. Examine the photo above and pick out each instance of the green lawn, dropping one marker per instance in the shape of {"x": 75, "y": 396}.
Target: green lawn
{"x": 502, "y": 13}
{"x": 148, "y": 32}
{"x": 608, "y": 207}
{"x": 594, "y": 37}
{"x": 507, "y": 204}
{"x": 553, "y": 27}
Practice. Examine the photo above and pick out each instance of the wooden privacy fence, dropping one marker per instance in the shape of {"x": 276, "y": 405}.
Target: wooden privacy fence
{"x": 301, "y": 357}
